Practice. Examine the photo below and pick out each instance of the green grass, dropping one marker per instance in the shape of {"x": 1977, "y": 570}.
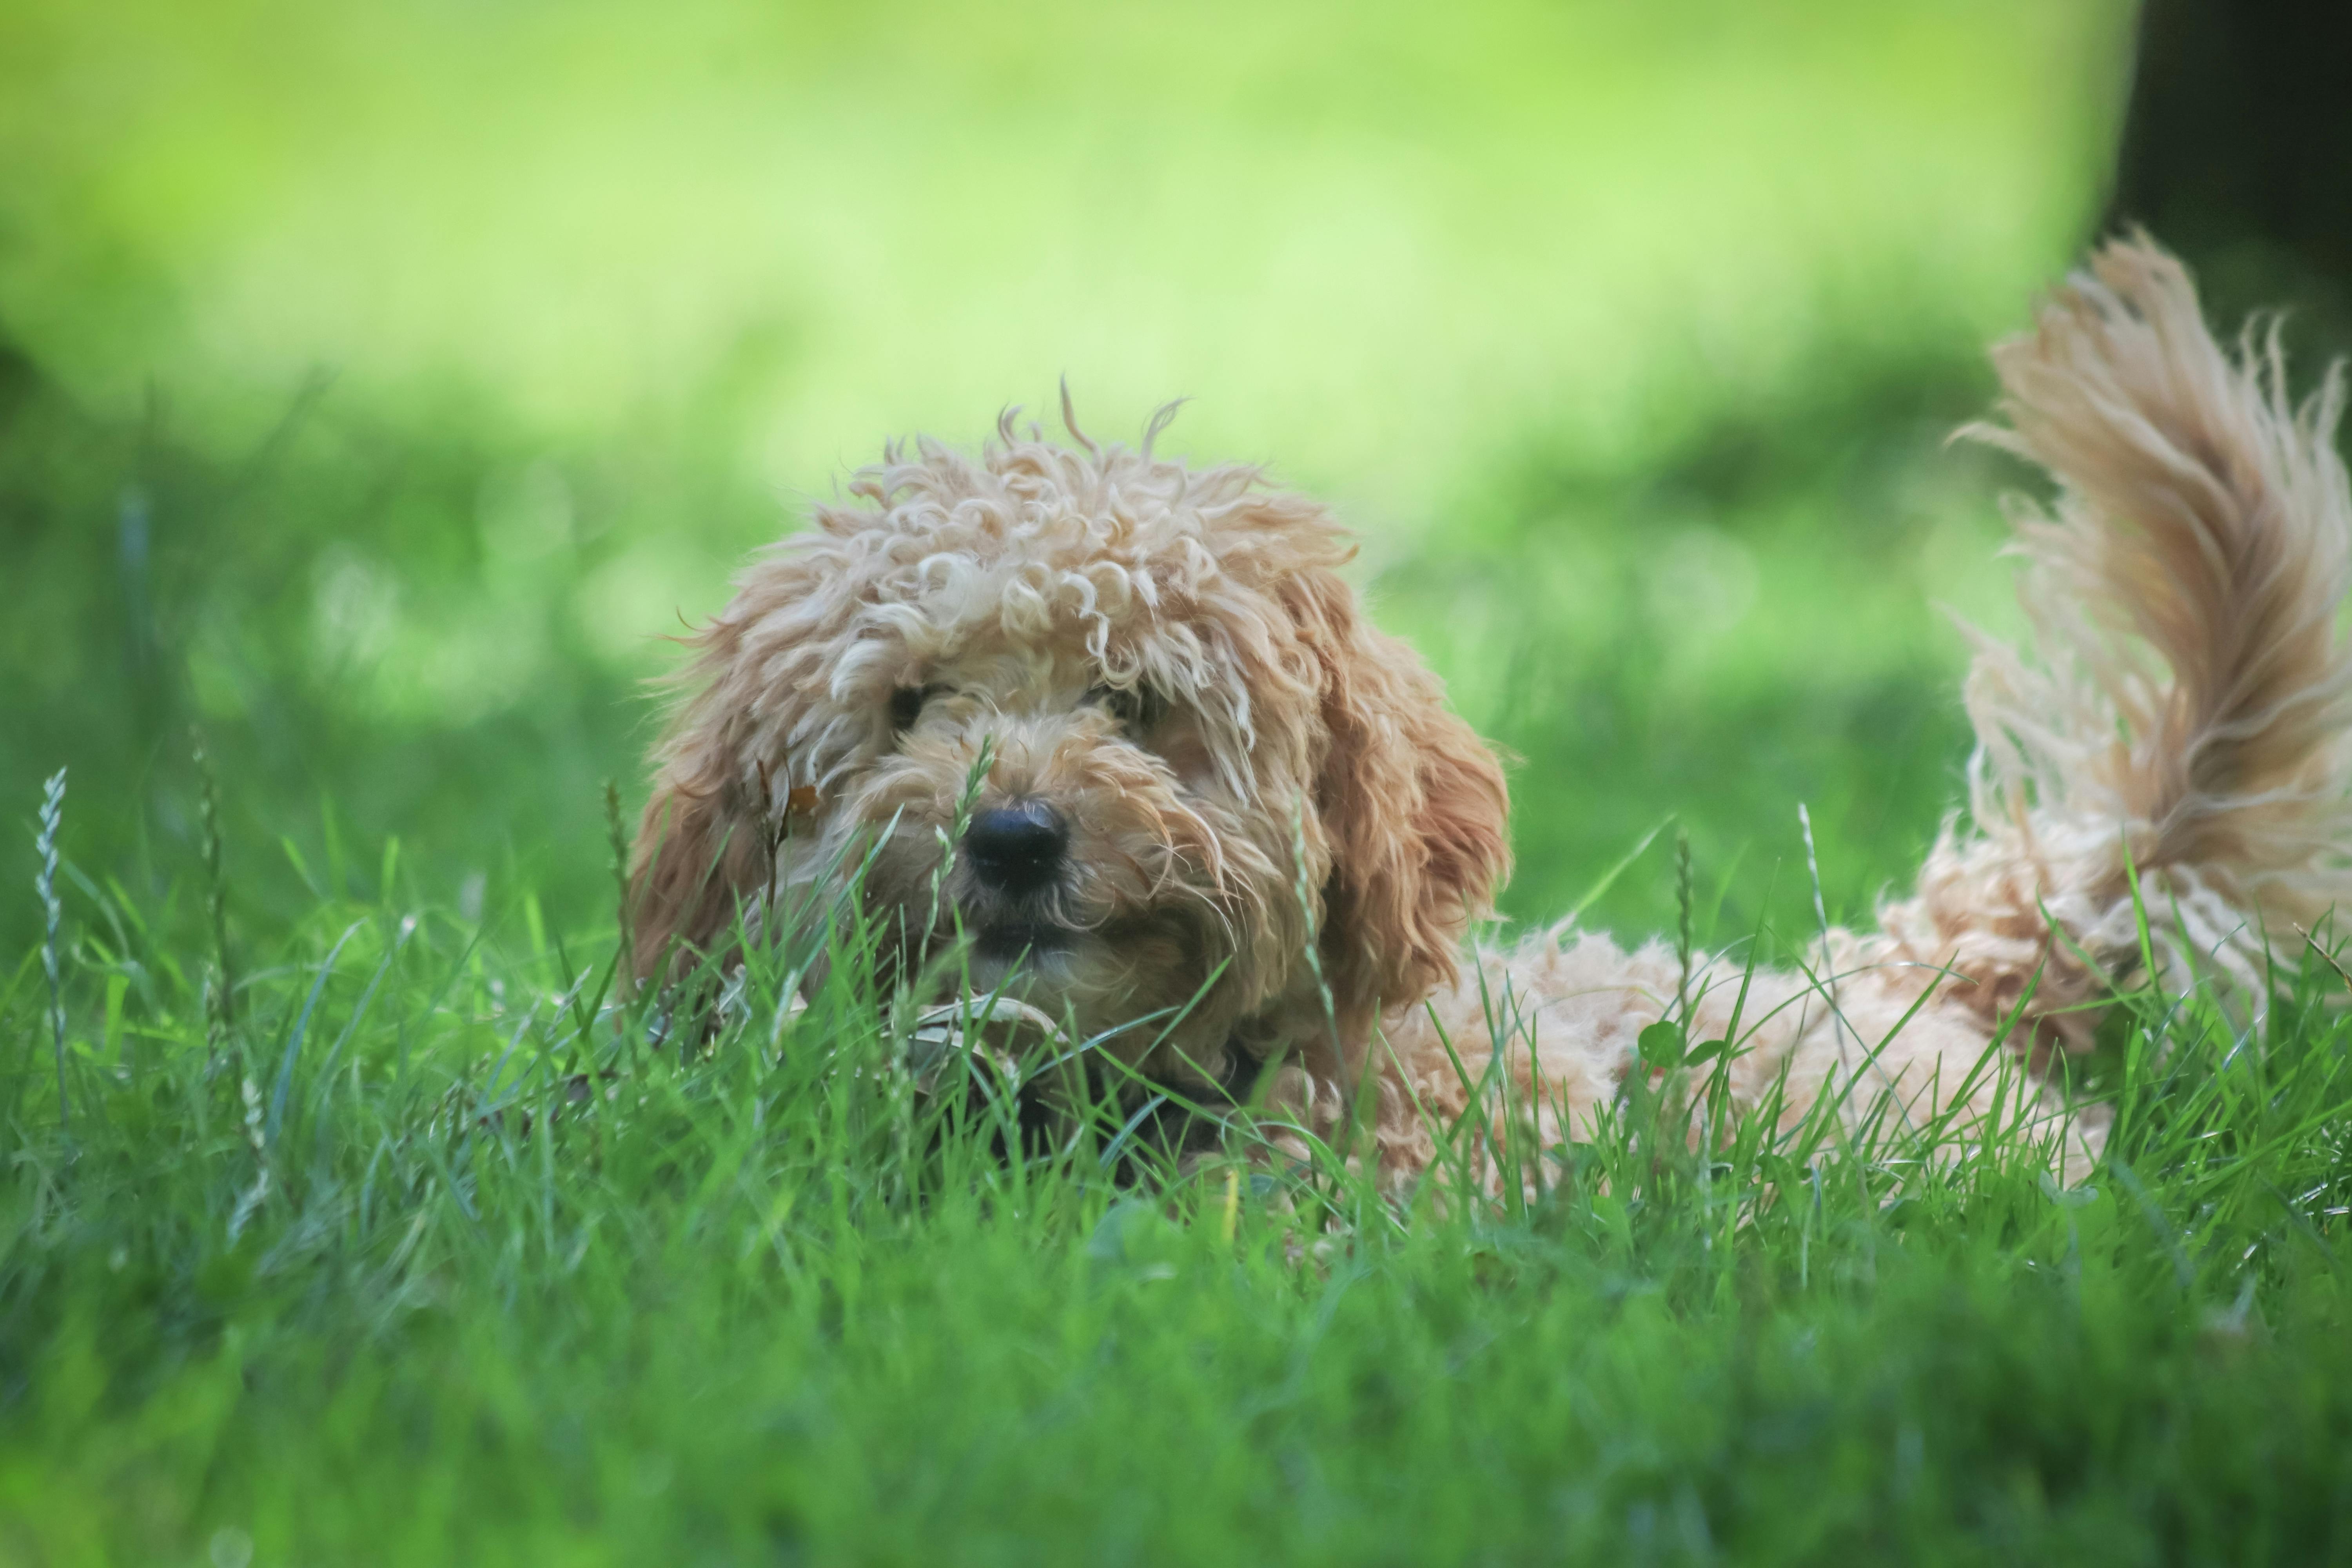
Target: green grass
{"x": 419, "y": 1256}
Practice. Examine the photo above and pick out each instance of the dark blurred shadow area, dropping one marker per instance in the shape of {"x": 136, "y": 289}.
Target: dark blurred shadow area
{"x": 2237, "y": 150}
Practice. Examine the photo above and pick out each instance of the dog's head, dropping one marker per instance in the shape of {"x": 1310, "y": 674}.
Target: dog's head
{"x": 1119, "y": 722}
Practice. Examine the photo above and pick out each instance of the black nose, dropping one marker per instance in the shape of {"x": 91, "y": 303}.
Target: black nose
{"x": 1017, "y": 848}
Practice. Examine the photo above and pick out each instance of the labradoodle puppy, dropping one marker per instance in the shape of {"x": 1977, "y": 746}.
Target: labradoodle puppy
{"x": 1121, "y": 728}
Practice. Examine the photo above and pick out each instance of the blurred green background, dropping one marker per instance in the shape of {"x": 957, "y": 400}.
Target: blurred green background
{"x": 379, "y": 383}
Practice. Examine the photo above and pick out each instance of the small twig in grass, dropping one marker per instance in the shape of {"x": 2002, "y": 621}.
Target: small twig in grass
{"x": 2326, "y": 957}
{"x": 53, "y": 808}
{"x": 776, "y": 825}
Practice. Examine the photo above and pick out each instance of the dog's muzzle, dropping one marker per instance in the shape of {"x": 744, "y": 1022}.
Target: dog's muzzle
{"x": 1018, "y": 855}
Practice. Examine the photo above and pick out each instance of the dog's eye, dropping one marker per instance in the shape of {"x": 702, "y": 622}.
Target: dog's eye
{"x": 1138, "y": 708}
{"x": 906, "y": 705}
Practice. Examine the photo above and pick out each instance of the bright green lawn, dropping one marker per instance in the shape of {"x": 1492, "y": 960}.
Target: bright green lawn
{"x": 417, "y": 1260}
{"x": 375, "y": 381}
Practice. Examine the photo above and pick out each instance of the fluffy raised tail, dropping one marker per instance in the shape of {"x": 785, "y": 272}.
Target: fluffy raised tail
{"x": 2172, "y": 749}
{"x": 2186, "y": 711}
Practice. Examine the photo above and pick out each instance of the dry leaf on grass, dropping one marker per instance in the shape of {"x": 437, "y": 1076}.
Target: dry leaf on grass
{"x": 998, "y": 1033}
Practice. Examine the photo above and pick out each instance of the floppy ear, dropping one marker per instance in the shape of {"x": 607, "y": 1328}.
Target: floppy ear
{"x": 699, "y": 851}
{"x": 1413, "y": 805}
{"x": 704, "y": 845}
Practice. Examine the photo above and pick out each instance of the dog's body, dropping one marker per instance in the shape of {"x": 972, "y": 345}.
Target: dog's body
{"x": 1122, "y": 726}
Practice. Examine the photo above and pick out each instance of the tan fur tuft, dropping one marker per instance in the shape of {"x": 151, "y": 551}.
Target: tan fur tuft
{"x": 1414, "y": 804}
{"x": 2204, "y": 519}
{"x": 2190, "y": 702}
